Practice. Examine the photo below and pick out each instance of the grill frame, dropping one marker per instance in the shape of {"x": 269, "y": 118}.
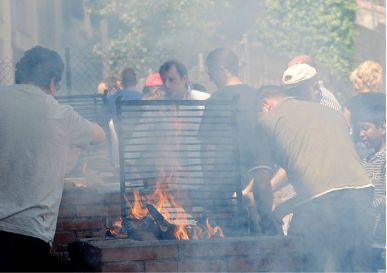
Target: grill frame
{"x": 239, "y": 214}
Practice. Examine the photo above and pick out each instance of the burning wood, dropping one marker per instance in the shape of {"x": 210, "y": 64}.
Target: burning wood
{"x": 159, "y": 216}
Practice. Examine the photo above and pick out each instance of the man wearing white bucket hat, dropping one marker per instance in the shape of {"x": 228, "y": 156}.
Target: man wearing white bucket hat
{"x": 324, "y": 96}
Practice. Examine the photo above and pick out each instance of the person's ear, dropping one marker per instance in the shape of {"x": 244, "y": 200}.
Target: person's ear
{"x": 266, "y": 105}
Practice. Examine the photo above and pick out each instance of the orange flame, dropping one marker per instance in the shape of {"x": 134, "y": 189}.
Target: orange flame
{"x": 197, "y": 233}
{"x": 171, "y": 210}
{"x": 138, "y": 211}
{"x": 181, "y": 233}
{"x": 213, "y": 231}
{"x": 116, "y": 228}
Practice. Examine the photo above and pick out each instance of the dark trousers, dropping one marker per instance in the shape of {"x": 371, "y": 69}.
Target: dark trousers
{"x": 24, "y": 253}
{"x": 336, "y": 230}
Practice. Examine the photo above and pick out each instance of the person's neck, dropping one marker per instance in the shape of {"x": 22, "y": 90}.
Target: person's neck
{"x": 130, "y": 87}
{"x": 382, "y": 147}
{"x": 233, "y": 81}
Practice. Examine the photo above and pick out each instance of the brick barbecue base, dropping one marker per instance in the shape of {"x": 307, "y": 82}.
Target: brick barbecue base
{"x": 238, "y": 254}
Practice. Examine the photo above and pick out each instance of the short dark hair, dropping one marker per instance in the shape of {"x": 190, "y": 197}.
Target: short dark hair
{"x": 180, "y": 68}
{"x": 111, "y": 82}
{"x": 300, "y": 90}
{"x": 368, "y": 107}
{"x": 375, "y": 115}
{"x": 128, "y": 77}
{"x": 38, "y": 66}
{"x": 223, "y": 57}
{"x": 268, "y": 91}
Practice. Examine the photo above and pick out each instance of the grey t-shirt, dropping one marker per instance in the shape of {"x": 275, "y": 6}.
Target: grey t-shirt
{"x": 36, "y": 134}
{"x": 312, "y": 143}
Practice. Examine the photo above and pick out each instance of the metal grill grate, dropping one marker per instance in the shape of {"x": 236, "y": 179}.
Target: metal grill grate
{"x": 97, "y": 160}
{"x": 166, "y": 141}
{"x": 91, "y": 107}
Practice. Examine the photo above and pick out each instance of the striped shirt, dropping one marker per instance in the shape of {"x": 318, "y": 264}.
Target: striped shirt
{"x": 328, "y": 99}
{"x": 375, "y": 165}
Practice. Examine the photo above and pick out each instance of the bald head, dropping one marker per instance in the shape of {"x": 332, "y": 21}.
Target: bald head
{"x": 302, "y": 59}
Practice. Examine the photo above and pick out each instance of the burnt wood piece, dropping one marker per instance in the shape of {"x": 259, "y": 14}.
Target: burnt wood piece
{"x": 167, "y": 230}
{"x": 141, "y": 229}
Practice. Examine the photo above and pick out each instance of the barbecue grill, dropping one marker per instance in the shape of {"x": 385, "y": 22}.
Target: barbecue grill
{"x": 162, "y": 143}
{"x": 91, "y": 107}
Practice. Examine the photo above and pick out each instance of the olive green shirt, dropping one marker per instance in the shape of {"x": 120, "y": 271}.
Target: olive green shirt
{"x": 312, "y": 143}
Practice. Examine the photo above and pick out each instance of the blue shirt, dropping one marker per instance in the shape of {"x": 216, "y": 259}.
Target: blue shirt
{"x": 125, "y": 94}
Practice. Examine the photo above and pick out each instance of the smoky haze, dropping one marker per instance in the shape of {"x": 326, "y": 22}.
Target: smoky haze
{"x": 103, "y": 37}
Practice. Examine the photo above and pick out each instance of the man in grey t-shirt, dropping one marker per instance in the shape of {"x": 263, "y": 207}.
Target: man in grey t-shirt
{"x": 333, "y": 193}
{"x": 36, "y": 135}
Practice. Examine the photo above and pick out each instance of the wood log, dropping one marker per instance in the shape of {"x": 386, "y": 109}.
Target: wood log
{"x": 141, "y": 229}
{"x": 167, "y": 230}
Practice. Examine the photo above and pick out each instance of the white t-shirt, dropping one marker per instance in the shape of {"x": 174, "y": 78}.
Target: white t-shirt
{"x": 36, "y": 134}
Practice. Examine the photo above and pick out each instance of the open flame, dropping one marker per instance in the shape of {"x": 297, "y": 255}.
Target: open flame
{"x": 185, "y": 227}
{"x": 172, "y": 212}
{"x": 138, "y": 211}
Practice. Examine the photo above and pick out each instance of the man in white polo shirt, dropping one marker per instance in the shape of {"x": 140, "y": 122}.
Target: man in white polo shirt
{"x": 36, "y": 135}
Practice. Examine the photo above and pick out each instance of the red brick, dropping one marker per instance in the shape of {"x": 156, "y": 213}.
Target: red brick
{"x": 59, "y": 224}
{"x": 91, "y": 210}
{"x": 259, "y": 264}
{"x": 123, "y": 267}
{"x": 64, "y": 237}
{"x": 114, "y": 210}
{"x": 271, "y": 245}
{"x": 66, "y": 211}
{"x": 139, "y": 253}
{"x": 82, "y": 224}
{"x": 201, "y": 265}
{"x": 82, "y": 198}
{"x": 251, "y": 264}
{"x": 161, "y": 266}
{"x": 113, "y": 198}
{"x": 91, "y": 234}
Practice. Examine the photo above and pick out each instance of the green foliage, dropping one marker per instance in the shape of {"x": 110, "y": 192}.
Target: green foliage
{"x": 148, "y": 32}
{"x": 145, "y": 33}
{"x": 323, "y": 29}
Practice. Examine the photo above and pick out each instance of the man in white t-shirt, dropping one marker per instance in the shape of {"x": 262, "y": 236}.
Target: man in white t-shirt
{"x": 36, "y": 135}
{"x": 175, "y": 79}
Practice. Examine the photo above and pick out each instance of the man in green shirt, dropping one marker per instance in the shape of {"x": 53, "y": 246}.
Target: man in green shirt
{"x": 333, "y": 192}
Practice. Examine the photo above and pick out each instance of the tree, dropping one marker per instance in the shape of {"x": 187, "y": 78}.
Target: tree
{"x": 146, "y": 33}
{"x": 323, "y": 29}
{"x": 143, "y": 34}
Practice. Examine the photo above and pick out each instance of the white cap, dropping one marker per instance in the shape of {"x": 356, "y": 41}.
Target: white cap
{"x": 298, "y": 73}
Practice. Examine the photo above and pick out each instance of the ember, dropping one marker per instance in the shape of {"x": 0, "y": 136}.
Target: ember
{"x": 162, "y": 210}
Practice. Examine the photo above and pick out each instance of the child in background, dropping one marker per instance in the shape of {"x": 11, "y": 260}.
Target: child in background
{"x": 372, "y": 126}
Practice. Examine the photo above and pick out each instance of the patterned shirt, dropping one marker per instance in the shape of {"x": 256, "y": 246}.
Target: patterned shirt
{"x": 375, "y": 165}
{"x": 328, "y": 99}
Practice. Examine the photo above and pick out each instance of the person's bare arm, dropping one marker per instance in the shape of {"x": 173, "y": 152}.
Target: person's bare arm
{"x": 262, "y": 189}
{"x": 279, "y": 180}
{"x": 98, "y": 134}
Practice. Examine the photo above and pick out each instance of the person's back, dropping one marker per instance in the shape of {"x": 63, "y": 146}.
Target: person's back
{"x": 34, "y": 130}
{"x": 36, "y": 134}
{"x": 317, "y": 160}
{"x": 333, "y": 193}
{"x": 128, "y": 91}
{"x": 244, "y": 98}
